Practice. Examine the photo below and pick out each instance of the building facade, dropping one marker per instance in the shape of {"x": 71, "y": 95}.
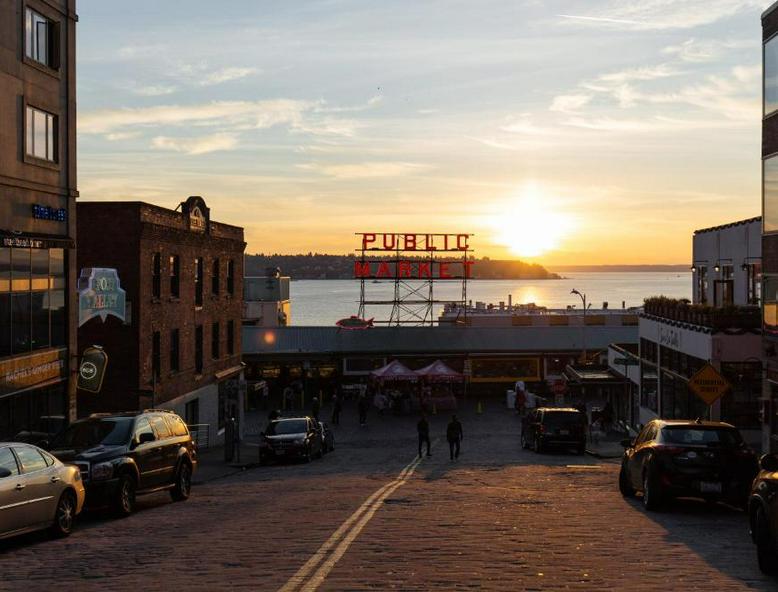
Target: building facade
{"x": 37, "y": 214}
{"x": 266, "y": 300}
{"x": 179, "y": 346}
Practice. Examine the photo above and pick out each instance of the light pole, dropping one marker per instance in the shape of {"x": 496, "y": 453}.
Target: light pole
{"x": 583, "y": 330}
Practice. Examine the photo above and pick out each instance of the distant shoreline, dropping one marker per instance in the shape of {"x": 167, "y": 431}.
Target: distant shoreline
{"x": 619, "y": 268}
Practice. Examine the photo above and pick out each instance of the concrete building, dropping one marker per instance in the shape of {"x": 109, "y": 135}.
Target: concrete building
{"x": 722, "y": 326}
{"x": 266, "y": 300}
{"x": 180, "y": 346}
{"x": 37, "y": 214}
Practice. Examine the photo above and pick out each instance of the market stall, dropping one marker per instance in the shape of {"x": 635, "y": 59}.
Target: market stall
{"x": 394, "y": 387}
{"x": 438, "y": 390}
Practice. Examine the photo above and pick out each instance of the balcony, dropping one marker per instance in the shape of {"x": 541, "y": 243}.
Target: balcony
{"x": 682, "y": 311}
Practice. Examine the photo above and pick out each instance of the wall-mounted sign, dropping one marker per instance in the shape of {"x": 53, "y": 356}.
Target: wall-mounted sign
{"x": 197, "y": 213}
{"x": 670, "y": 337}
{"x": 100, "y": 294}
{"x": 91, "y": 370}
{"x": 23, "y": 372}
{"x": 708, "y": 384}
{"x": 40, "y": 212}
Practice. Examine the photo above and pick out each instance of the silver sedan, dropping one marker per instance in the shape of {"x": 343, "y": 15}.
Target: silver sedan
{"x": 37, "y": 491}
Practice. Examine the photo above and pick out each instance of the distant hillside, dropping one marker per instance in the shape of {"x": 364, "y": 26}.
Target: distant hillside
{"x": 621, "y": 268}
{"x": 315, "y": 266}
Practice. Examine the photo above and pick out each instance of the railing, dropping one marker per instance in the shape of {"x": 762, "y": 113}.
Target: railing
{"x": 741, "y": 317}
{"x": 201, "y": 434}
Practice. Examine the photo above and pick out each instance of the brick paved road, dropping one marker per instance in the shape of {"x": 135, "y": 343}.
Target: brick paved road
{"x": 499, "y": 518}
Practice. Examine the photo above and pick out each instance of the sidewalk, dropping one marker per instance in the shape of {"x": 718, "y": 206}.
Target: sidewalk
{"x": 605, "y": 448}
{"x": 211, "y": 464}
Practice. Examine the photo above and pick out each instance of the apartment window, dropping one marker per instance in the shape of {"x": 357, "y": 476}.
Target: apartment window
{"x": 770, "y": 306}
{"x": 215, "y": 278}
{"x": 702, "y": 285}
{"x": 231, "y": 277}
{"x": 41, "y": 134}
{"x": 770, "y": 194}
{"x": 175, "y": 355}
{"x": 175, "y": 276}
{"x": 215, "y": 341}
{"x": 156, "y": 275}
{"x": 156, "y": 355}
{"x": 199, "y": 349}
{"x": 230, "y": 337}
{"x": 754, "y": 281}
{"x": 199, "y": 281}
{"x": 41, "y": 39}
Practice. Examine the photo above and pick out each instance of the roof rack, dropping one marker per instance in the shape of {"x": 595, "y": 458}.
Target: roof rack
{"x": 158, "y": 411}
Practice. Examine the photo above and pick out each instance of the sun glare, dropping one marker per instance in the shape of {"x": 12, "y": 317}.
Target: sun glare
{"x": 530, "y": 225}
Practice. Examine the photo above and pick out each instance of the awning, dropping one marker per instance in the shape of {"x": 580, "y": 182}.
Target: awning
{"x": 438, "y": 371}
{"x": 221, "y": 375}
{"x": 40, "y": 241}
{"x": 395, "y": 370}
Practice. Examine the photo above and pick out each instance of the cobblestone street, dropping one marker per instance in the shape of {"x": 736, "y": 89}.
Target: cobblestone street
{"x": 498, "y": 518}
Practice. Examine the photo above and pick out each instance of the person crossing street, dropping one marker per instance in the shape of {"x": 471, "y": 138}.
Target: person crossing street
{"x": 423, "y": 428}
{"x": 454, "y": 436}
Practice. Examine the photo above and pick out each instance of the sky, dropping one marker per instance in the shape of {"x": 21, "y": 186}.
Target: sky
{"x": 561, "y": 132}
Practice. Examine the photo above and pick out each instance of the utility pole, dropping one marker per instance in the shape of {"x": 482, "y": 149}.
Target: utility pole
{"x": 583, "y": 330}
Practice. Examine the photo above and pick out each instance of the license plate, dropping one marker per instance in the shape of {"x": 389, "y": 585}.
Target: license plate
{"x": 708, "y": 487}
{"x": 564, "y": 432}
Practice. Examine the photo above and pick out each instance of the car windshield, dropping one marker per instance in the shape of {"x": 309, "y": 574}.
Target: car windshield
{"x": 94, "y": 432}
{"x": 287, "y": 426}
{"x": 704, "y": 436}
{"x": 558, "y": 420}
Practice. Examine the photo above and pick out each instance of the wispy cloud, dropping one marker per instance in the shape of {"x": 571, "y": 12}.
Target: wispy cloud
{"x": 155, "y": 90}
{"x": 227, "y": 75}
{"x": 599, "y": 19}
{"x": 706, "y": 50}
{"x": 365, "y": 170}
{"x": 195, "y": 146}
{"x": 569, "y": 103}
{"x": 641, "y": 74}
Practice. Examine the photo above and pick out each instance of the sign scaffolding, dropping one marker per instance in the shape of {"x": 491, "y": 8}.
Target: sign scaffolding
{"x": 412, "y": 263}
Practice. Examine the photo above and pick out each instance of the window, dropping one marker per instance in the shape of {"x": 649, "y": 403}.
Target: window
{"x": 754, "y": 281}
{"x": 156, "y": 356}
{"x": 770, "y": 194}
{"x": 770, "y": 89}
{"x": 175, "y": 355}
{"x": 199, "y": 349}
{"x": 160, "y": 427}
{"x": 177, "y": 425}
{"x": 230, "y": 337}
{"x": 231, "y": 277}
{"x": 30, "y": 459}
{"x": 41, "y": 134}
{"x": 770, "y": 306}
{"x": 702, "y": 285}
{"x": 199, "y": 281}
{"x": 8, "y": 461}
{"x": 156, "y": 275}
{"x": 41, "y": 39}
{"x": 192, "y": 412}
{"x": 143, "y": 427}
{"x": 215, "y": 341}
{"x": 175, "y": 276}
{"x": 215, "y": 278}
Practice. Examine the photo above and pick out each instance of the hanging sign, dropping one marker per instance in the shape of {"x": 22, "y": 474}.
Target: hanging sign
{"x": 100, "y": 294}
{"x": 91, "y": 371}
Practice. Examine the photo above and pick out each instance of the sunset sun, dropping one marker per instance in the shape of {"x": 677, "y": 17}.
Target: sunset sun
{"x": 530, "y": 225}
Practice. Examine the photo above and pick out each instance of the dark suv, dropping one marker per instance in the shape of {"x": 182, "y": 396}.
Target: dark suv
{"x": 549, "y": 426}
{"x": 763, "y": 514}
{"x": 121, "y": 455}
{"x": 297, "y": 437}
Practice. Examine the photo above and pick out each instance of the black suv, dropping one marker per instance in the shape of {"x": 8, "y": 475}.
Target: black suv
{"x": 763, "y": 514}
{"x": 296, "y": 437}
{"x": 121, "y": 455}
{"x": 550, "y": 426}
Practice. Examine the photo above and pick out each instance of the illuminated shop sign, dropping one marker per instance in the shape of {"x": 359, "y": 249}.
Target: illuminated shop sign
{"x": 40, "y": 212}
{"x": 100, "y": 295}
{"x": 374, "y": 241}
{"x": 411, "y": 269}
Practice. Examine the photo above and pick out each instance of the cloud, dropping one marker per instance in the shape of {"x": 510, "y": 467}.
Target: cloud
{"x": 155, "y": 90}
{"x": 195, "y": 146}
{"x": 365, "y": 170}
{"x": 119, "y": 136}
{"x": 641, "y": 74}
{"x": 600, "y": 19}
{"x": 698, "y": 51}
{"x": 569, "y": 103}
{"x": 227, "y": 75}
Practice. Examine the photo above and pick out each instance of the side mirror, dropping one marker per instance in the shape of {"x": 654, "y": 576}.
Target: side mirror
{"x": 5, "y": 473}
{"x": 627, "y": 443}
{"x": 769, "y": 462}
{"x": 146, "y": 437}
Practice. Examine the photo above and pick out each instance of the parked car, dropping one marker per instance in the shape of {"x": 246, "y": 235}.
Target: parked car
{"x": 549, "y": 426}
{"x": 763, "y": 514}
{"x": 287, "y": 438}
{"x": 685, "y": 458}
{"x": 128, "y": 454}
{"x": 37, "y": 491}
{"x": 327, "y": 437}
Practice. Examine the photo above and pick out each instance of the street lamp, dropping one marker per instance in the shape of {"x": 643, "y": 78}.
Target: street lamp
{"x": 583, "y": 330}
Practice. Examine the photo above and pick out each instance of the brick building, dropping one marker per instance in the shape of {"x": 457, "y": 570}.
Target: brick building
{"x": 179, "y": 346}
{"x": 37, "y": 214}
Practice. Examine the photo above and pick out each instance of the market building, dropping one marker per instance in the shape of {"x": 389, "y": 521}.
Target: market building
{"x": 37, "y": 214}
{"x": 179, "y": 346}
{"x": 721, "y": 326}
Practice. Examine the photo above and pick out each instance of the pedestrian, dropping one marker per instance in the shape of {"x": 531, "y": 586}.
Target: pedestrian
{"x": 454, "y": 436}
{"x": 274, "y": 415}
{"x": 288, "y": 397}
{"x": 315, "y": 408}
{"x": 521, "y": 399}
{"x": 337, "y": 407}
{"x": 423, "y": 428}
{"x": 362, "y": 407}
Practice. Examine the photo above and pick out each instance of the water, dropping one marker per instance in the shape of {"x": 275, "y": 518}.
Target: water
{"x": 322, "y": 302}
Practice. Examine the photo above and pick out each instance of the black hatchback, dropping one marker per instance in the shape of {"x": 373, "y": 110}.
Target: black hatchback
{"x": 550, "y": 426}
{"x": 684, "y": 458}
{"x": 763, "y": 514}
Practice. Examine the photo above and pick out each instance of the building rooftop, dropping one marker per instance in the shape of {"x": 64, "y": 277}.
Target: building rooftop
{"x": 729, "y": 225}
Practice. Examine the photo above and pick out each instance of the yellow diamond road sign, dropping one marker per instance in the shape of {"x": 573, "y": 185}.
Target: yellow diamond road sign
{"x": 708, "y": 384}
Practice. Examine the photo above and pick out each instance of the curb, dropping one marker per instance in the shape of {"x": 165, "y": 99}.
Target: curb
{"x": 237, "y": 469}
{"x": 600, "y": 456}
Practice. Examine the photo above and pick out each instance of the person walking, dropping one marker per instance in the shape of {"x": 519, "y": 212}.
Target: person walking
{"x": 315, "y": 408}
{"x": 337, "y": 407}
{"x": 454, "y": 436}
{"x": 362, "y": 407}
{"x": 423, "y": 428}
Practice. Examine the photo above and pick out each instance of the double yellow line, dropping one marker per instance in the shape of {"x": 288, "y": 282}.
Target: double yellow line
{"x": 328, "y": 555}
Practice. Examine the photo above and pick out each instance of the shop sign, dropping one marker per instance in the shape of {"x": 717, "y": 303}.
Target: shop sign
{"x": 40, "y": 212}
{"x": 26, "y": 371}
{"x": 708, "y": 384}
{"x": 670, "y": 337}
{"x": 400, "y": 241}
{"x": 439, "y": 270}
{"x": 91, "y": 370}
{"x": 100, "y": 294}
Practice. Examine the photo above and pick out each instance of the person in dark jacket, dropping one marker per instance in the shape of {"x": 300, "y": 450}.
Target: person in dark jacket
{"x": 337, "y": 407}
{"x": 454, "y": 436}
{"x": 274, "y": 414}
{"x": 315, "y": 408}
{"x": 423, "y": 428}
{"x": 362, "y": 407}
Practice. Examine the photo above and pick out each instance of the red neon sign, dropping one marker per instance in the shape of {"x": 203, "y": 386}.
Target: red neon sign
{"x": 399, "y": 241}
{"x": 410, "y": 269}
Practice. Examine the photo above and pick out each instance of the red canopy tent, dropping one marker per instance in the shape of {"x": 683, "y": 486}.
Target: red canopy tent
{"x": 438, "y": 371}
{"x": 395, "y": 370}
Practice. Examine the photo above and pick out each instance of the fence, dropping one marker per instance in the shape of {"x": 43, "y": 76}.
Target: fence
{"x": 201, "y": 434}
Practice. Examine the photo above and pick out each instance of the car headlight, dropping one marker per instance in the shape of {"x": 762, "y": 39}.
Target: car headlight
{"x": 102, "y": 471}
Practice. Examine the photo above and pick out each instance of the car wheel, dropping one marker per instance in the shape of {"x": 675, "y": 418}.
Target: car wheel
{"x": 766, "y": 552}
{"x": 125, "y": 495}
{"x": 625, "y": 487}
{"x": 652, "y": 500}
{"x": 183, "y": 486}
{"x": 538, "y": 445}
{"x": 65, "y": 516}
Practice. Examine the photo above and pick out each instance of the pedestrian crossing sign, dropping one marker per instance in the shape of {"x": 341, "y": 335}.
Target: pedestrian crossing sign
{"x": 708, "y": 384}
